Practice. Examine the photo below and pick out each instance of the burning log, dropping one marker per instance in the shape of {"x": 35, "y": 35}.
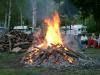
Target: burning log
{"x": 45, "y": 54}
{"x": 52, "y": 56}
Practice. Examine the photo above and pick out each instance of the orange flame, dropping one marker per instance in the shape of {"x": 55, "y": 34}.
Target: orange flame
{"x": 53, "y": 35}
{"x": 52, "y": 39}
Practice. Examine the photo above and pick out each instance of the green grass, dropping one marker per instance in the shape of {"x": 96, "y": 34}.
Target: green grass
{"x": 10, "y": 65}
{"x": 94, "y": 53}
{"x": 42, "y": 71}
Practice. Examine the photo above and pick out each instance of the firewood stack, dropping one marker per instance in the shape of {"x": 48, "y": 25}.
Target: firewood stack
{"x": 54, "y": 57}
{"x": 14, "y": 40}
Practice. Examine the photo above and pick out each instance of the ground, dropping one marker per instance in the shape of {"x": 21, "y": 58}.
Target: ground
{"x": 10, "y": 65}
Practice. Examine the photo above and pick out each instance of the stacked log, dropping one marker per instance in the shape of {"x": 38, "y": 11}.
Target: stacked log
{"x": 14, "y": 39}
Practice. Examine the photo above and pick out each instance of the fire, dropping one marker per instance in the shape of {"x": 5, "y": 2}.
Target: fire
{"x": 53, "y": 32}
{"x": 52, "y": 46}
{"x": 53, "y": 35}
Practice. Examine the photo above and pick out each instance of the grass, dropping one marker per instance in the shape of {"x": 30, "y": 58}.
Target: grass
{"x": 47, "y": 72}
{"x": 10, "y": 65}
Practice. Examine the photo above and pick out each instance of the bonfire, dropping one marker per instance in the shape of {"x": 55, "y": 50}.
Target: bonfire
{"x": 51, "y": 51}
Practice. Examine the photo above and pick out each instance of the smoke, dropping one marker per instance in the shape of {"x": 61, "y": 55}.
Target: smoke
{"x": 27, "y": 11}
{"x": 37, "y": 10}
{"x": 45, "y": 8}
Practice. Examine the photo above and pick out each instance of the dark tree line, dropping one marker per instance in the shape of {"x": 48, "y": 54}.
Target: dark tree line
{"x": 11, "y": 12}
{"x": 88, "y": 7}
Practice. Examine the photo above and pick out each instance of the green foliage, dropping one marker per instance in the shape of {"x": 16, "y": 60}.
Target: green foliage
{"x": 65, "y": 21}
{"x": 88, "y": 7}
{"x": 89, "y": 21}
{"x": 17, "y": 6}
{"x": 3, "y": 8}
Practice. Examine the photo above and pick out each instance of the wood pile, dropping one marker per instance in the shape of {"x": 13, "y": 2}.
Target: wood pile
{"x": 55, "y": 57}
{"x": 14, "y": 39}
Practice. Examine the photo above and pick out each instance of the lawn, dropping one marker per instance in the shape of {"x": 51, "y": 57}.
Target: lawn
{"x": 10, "y": 65}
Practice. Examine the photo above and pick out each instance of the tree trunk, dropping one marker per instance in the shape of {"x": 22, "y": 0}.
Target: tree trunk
{"x": 9, "y": 13}
{"x": 34, "y": 14}
{"x": 21, "y": 19}
{"x": 5, "y": 24}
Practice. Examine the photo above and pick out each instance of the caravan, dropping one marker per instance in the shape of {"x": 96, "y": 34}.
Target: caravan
{"x": 25, "y": 29}
{"x": 76, "y": 29}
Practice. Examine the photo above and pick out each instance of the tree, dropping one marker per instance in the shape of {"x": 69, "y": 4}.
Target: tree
{"x": 3, "y": 11}
{"x": 89, "y": 21}
{"x": 88, "y": 7}
{"x": 12, "y": 11}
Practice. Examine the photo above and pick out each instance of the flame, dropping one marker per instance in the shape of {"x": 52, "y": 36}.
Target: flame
{"x": 53, "y": 35}
{"x": 52, "y": 40}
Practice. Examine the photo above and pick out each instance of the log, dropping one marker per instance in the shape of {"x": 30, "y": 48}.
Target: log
{"x": 16, "y": 50}
{"x": 14, "y": 39}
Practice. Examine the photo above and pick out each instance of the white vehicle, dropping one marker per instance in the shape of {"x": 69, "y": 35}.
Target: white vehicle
{"x": 24, "y": 29}
{"x": 76, "y": 29}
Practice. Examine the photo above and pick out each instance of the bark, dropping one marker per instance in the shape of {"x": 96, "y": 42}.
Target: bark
{"x": 21, "y": 18}
{"x": 5, "y": 24}
{"x": 9, "y": 13}
{"x": 34, "y": 14}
